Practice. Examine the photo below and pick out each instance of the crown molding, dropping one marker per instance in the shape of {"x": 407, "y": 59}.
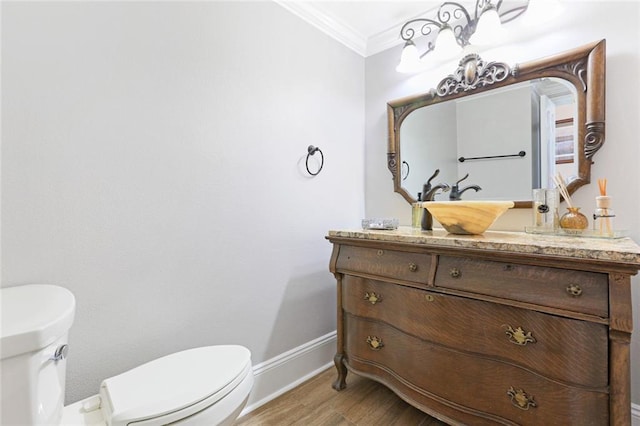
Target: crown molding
{"x": 337, "y": 30}
{"x": 384, "y": 40}
{"x": 344, "y": 33}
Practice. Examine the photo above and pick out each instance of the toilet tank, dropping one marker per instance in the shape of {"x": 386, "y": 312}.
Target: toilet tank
{"x": 34, "y": 324}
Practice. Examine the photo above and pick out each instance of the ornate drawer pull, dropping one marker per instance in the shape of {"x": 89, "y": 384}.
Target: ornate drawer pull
{"x": 519, "y": 336}
{"x": 375, "y": 343}
{"x": 455, "y": 273}
{"x": 521, "y": 399}
{"x": 574, "y": 290}
{"x": 413, "y": 267}
{"x": 372, "y": 298}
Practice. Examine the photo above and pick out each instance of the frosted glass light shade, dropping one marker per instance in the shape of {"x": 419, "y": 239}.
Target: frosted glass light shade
{"x": 446, "y": 45}
{"x": 489, "y": 29}
{"x": 410, "y": 59}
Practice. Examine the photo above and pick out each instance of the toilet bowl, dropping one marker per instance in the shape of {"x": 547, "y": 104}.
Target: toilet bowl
{"x": 207, "y": 385}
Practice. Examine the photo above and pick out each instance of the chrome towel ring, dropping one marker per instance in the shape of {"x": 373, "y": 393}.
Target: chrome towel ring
{"x": 311, "y": 150}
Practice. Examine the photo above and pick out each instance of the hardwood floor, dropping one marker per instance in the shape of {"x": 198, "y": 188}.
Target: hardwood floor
{"x": 315, "y": 403}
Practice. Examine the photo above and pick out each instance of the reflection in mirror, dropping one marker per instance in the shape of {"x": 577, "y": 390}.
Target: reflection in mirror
{"x": 509, "y": 140}
{"x": 509, "y": 128}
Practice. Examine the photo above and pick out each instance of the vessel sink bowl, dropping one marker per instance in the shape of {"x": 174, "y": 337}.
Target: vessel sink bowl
{"x": 467, "y": 217}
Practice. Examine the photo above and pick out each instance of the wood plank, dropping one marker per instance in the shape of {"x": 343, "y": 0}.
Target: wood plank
{"x": 364, "y": 402}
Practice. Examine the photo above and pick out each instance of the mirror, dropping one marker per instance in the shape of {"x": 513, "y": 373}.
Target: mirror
{"x": 510, "y": 129}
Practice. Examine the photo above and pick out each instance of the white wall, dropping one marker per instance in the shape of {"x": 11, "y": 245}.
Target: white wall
{"x": 582, "y": 23}
{"x": 153, "y": 163}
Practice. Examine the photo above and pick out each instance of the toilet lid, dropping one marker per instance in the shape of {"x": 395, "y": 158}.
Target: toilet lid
{"x": 173, "y": 383}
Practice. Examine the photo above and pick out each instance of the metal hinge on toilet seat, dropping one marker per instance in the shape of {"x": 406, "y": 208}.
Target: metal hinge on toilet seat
{"x": 92, "y": 404}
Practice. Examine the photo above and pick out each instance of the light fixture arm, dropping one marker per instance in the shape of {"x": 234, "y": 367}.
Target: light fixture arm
{"x": 408, "y": 30}
{"x": 457, "y": 17}
{"x": 426, "y": 27}
{"x": 483, "y": 5}
{"x": 449, "y": 15}
{"x": 452, "y": 16}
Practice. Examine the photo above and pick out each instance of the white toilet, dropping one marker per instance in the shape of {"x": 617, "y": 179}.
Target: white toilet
{"x": 202, "y": 386}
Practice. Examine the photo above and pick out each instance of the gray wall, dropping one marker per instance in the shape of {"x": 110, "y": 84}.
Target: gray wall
{"x": 429, "y": 124}
{"x": 153, "y": 163}
{"x": 581, "y": 23}
{"x": 496, "y": 125}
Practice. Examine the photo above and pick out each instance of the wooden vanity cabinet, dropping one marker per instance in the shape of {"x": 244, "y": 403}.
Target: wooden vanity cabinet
{"x": 476, "y": 336}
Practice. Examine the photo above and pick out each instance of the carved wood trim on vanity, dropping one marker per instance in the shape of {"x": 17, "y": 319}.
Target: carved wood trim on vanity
{"x": 472, "y": 331}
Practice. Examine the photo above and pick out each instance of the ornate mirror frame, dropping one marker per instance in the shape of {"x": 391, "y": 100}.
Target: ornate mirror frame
{"x": 583, "y": 67}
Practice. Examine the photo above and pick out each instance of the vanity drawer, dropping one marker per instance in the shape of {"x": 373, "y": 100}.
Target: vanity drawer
{"x": 533, "y": 340}
{"x": 488, "y": 388}
{"x": 393, "y": 264}
{"x": 577, "y": 291}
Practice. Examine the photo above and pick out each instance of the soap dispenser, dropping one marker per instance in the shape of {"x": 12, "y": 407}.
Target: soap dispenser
{"x": 416, "y": 212}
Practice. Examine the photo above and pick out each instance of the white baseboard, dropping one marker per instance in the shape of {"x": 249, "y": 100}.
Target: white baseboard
{"x": 286, "y": 371}
{"x": 635, "y": 415}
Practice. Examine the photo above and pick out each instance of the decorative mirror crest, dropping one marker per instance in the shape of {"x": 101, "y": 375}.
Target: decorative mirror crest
{"x": 473, "y": 73}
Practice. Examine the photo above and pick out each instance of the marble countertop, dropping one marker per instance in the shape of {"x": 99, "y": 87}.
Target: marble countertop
{"x": 617, "y": 250}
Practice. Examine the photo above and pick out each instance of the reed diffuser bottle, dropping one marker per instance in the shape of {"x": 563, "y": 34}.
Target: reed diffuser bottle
{"x": 573, "y": 220}
{"x": 604, "y": 215}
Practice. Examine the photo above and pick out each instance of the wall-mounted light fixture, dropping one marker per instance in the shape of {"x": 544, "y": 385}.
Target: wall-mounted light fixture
{"x": 454, "y": 27}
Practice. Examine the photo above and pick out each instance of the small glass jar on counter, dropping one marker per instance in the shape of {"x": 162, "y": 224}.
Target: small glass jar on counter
{"x": 545, "y": 208}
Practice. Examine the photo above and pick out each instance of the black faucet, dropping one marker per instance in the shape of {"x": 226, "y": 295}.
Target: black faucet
{"x": 456, "y": 193}
{"x": 428, "y": 193}
{"x": 427, "y": 186}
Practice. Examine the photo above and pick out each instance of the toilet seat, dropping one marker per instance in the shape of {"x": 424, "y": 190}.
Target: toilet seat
{"x": 174, "y": 387}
